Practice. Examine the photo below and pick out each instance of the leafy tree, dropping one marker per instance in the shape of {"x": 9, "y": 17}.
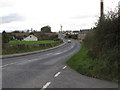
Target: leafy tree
{"x": 46, "y": 29}
{"x": 6, "y": 37}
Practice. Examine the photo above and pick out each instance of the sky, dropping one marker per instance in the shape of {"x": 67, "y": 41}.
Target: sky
{"x": 71, "y": 14}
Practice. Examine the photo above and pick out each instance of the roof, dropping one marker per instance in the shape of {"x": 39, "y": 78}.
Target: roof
{"x": 84, "y": 31}
{"x": 76, "y": 31}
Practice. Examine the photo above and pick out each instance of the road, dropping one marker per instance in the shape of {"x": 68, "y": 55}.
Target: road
{"x": 47, "y": 70}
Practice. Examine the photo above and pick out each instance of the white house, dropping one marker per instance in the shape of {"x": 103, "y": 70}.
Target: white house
{"x": 31, "y": 38}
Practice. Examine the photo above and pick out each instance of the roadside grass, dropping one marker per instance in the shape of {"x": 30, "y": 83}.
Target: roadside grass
{"x": 85, "y": 65}
{"x": 31, "y": 42}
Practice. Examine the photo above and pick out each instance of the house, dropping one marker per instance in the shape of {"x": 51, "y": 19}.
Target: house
{"x": 82, "y": 34}
{"x": 31, "y": 38}
{"x": 75, "y": 32}
{"x": 68, "y": 32}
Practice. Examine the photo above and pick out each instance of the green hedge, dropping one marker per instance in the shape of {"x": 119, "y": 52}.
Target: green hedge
{"x": 19, "y": 48}
{"x": 96, "y": 68}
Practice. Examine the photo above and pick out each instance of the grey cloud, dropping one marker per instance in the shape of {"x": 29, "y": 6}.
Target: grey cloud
{"x": 11, "y": 17}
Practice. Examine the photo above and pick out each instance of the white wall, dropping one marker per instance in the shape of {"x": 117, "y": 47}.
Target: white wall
{"x": 31, "y": 38}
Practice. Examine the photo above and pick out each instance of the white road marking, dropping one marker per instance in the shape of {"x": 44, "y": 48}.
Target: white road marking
{"x": 57, "y": 53}
{"x": 46, "y": 85}
{"x": 57, "y": 74}
{"x": 64, "y": 67}
{"x": 19, "y": 62}
{"x": 6, "y": 65}
{"x": 34, "y": 59}
{"x": 29, "y": 60}
{"x": 49, "y": 53}
{"x": 72, "y": 47}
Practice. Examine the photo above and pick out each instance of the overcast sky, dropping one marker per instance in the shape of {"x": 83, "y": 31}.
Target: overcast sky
{"x": 71, "y": 14}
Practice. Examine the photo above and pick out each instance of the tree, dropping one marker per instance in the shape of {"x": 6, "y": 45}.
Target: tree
{"x": 46, "y": 29}
{"x": 6, "y": 37}
{"x": 16, "y": 31}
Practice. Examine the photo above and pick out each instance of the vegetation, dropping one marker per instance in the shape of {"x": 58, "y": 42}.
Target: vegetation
{"x": 96, "y": 68}
{"x": 44, "y": 36}
{"x": 6, "y": 37}
{"x": 21, "y": 46}
{"x": 46, "y": 29}
{"x": 31, "y": 42}
{"x": 100, "y": 52}
{"x": 71, "y": 36}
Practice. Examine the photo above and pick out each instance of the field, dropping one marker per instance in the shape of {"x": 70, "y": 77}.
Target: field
{"x": 32, "y": 42}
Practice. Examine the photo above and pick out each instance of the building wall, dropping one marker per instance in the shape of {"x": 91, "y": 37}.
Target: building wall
{"x": 81, "y": 36}
{"x": 31, "y": 38}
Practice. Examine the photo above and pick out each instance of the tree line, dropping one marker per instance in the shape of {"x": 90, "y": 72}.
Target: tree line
{"x": 6, "y": 37}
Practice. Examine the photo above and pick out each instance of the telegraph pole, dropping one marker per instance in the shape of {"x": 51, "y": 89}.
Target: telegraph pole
{"x": 119, "y": 9}
{"x": 61, "y": 28}
{"x": 101, "y": 8}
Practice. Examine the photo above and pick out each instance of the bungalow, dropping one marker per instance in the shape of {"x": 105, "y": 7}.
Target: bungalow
{"x": 68, "y": 32}
{"x": 75, "y": 32}
{"x": 30, "y": 38}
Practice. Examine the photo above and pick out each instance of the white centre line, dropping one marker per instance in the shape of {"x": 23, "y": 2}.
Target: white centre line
{"x": 57, "y": 53}
{"x": 72, "y": 47}
{"x": 49, "y": 53}
{"x": 46, "y": 85}
{"x": 6, "y": 65}
{"x": 64, "y": 67}
{"x": 57, "y": 74}
{"x": 19, "y": 62}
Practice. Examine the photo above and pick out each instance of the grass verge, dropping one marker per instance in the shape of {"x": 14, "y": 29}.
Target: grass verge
{"x": 85, "y": 65}
{"x": 32, "y": 42}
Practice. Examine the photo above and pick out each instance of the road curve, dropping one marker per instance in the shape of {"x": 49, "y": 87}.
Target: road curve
{"x": 33, "y": 71}
{"x": 48, "y": 70}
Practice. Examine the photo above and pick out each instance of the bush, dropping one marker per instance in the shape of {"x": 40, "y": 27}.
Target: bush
{"x": 103, "y": 44}
{"x": 71, "y": 36}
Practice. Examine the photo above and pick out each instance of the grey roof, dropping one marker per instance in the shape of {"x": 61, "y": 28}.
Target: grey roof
{"x": 84, "y": 31}
{"x": 76, "y": 31}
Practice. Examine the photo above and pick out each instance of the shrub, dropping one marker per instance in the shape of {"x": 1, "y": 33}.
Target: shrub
{"x": 103, "y": 44}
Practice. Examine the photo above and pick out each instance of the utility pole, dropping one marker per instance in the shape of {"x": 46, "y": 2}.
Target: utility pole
{"x": 119, "y": 8}
{"x": 101, "y": 8}
{"x": 61, "y": 28}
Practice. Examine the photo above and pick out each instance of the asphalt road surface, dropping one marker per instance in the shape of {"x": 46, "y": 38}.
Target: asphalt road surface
{"x": 47, "y": 70}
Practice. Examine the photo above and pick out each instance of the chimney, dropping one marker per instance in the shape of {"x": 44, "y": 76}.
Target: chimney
{"x": 101, "y": 8}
